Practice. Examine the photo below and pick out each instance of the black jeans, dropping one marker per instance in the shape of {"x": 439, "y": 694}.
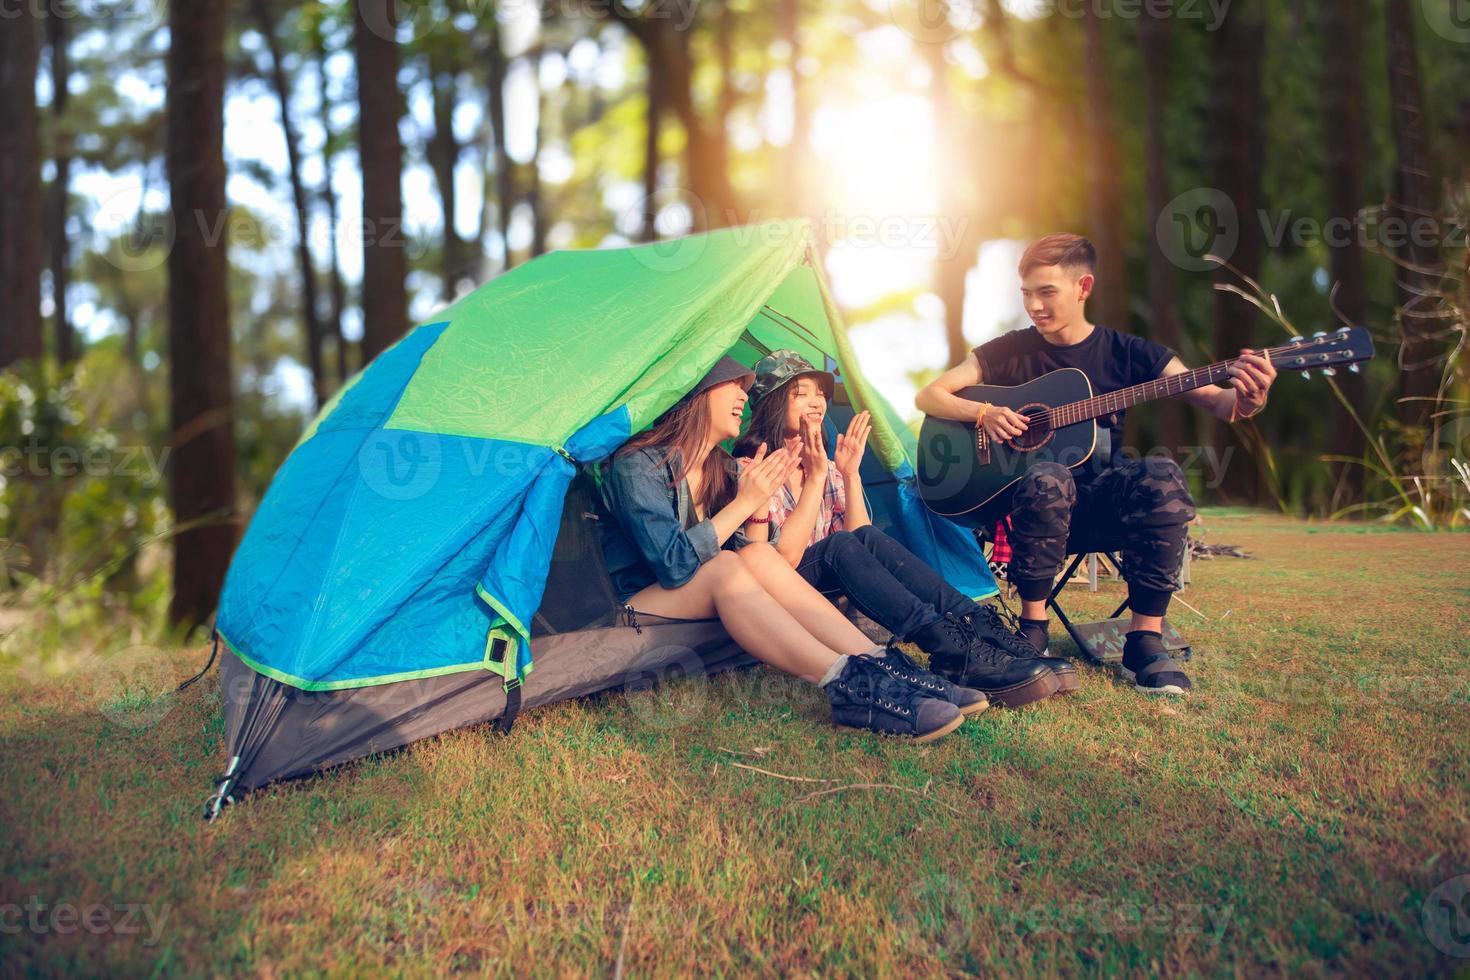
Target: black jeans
{"x": 883, "y": 579}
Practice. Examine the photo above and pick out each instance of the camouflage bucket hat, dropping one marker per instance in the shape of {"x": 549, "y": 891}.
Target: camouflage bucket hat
{"x": 779, "y": 367}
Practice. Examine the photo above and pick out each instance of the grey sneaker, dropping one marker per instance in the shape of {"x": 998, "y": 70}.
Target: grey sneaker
{"x": 867, "y": 696}
{"x": 902, "y": 666}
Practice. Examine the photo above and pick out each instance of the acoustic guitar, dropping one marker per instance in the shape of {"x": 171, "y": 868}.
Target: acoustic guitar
{"x": 968, "y": 477}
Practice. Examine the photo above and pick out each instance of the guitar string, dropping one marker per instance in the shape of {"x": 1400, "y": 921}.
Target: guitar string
{"x": 1123, "y": 398}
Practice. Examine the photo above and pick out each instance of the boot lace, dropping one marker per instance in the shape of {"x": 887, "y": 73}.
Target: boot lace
{"x": 1003, "y": 632}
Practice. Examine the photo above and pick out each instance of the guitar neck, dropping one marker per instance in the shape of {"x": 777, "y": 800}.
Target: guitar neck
{"x": 1116, "y": 401}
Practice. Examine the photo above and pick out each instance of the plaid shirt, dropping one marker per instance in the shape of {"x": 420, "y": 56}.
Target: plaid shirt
{"x": 829, "y": 513}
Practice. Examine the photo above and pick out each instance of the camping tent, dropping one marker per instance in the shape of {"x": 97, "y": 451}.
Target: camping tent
{"x": 426, "y": 556}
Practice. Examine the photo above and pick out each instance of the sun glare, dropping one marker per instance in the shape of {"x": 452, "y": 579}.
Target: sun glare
{"x": 875, "y": 159}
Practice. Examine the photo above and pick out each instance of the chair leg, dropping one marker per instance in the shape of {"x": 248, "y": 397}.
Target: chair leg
{"x": 1054, "y": 606}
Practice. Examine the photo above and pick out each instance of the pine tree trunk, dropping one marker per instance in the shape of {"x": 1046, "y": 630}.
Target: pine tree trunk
{"x": 1154, "y": 41}
{"x": 533, "y": 181}
{"x": 651, "y": 129}
{"x": 58, "y": 39}
{"x": 1416, "y": 205}
{"x": 329, "y": 196}
{"x": 796, "y": 151}
{"x": 1110, "y": 295}
{"x": 22, "y": 249}
{"x": 665, "y": 38}
{"x": 202, "y": 458}
{"x": 311, "y": 327}
{"x": 384, "y": 262}
{"x": 952, "y": 170}
{"x": 1344, "y": 136}
{"x": 444, "y": 151}
{"x": 504, "y": 179}
{"x": 1237, "y": 130}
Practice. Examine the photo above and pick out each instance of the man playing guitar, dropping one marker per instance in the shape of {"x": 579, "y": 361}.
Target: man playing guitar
{"x": 1141, "y": 504}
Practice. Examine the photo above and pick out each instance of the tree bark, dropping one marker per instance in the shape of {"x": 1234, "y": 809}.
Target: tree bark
{"x": 504, "y": 179}
{"x": 310, "y": 317}
{"x": 1416, "y": 205}
{"x": 58, "y": 39}
{"x": 329, "y": 196}
{"x": 1344, "y": 136}
{"x": 651, "y": 130}
{"x": 956, "y": 204}
{"x": 384, "y": 264}
{"x": 533, "y": 180}
{"x": 706, "y": 151}
{"x": 796, "y": 195}
{"x": 1154, "y": 43}
{"x": 1110, "y": 295}
{"x": 202, "y": 461}
{"x": 22, "y": 249}
{"x": 444, "y": 151}
{"x": 1237, "y": 130}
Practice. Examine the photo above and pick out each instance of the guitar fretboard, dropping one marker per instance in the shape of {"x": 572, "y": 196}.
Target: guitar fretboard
{"x": 1116, "y": 401}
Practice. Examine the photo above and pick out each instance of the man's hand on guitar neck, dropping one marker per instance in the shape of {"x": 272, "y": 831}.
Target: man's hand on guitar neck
{"x": 1251, "y": 376}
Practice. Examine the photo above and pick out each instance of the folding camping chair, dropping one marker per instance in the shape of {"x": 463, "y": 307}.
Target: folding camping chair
{"x": 1103, "y": 640}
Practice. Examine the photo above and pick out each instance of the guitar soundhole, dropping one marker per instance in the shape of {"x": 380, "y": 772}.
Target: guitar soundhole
{"x": 1038, "y": 430}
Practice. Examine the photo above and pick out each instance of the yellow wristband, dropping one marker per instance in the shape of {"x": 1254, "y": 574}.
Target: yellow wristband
{"x": 984, "y": 407}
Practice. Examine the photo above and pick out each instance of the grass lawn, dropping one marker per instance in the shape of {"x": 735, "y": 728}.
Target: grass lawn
{"x": 1307, "y": 810}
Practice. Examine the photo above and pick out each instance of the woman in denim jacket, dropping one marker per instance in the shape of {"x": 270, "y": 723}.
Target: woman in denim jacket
{"x": 676, "y": 498}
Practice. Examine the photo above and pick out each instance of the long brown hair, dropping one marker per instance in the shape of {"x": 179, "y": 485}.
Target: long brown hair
{"x": 767, "y": 423}
{"x": 680, "y": 433}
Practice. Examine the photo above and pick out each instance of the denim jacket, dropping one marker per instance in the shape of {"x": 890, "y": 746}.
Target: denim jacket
{"x": 652, "y": 535}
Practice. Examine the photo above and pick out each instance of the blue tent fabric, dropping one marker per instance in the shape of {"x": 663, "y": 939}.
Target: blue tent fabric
{"x": 382, "y": 554}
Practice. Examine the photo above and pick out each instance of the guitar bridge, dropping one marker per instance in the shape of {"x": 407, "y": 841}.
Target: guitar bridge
{"x": 982, "y": 446}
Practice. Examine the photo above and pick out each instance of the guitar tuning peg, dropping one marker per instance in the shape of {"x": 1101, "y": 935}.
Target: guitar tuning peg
{"x": 1306, "y": 374}
{"x": 1329, "y": 372}
{"x": 1297, "y": 339}
{"x": 1319, "y": 335}
{"x": 1342, "y": 330}
{"x": 1355, "y": 368}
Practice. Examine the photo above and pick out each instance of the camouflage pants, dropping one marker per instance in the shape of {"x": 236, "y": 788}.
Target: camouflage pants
{"x": 1141, "y": 506}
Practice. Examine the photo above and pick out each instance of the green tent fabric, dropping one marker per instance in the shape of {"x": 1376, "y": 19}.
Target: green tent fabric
{"x": 411, "y": 532}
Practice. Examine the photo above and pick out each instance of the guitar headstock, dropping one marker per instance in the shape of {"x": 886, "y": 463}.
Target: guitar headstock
{"x": 1324, "y": 351}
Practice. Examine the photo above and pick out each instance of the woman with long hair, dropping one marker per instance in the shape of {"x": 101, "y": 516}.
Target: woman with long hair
{"x": 818, "y": 522}
{"x": 676, "y": 498}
